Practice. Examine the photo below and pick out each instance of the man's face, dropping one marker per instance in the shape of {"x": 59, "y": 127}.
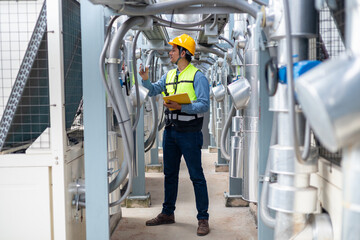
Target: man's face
{"x": 174, "y": 54}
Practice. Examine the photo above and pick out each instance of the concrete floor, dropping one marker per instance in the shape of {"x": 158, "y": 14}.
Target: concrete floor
{"x": 225, "y": 223}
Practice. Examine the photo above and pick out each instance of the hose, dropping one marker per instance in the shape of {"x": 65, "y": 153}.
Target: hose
{"x": 214, "y": 23}
{"x": 124, "y": 123}
{"x": 158, "y": 8}
{"x": 152, "y": 135}
{"x": 136, "y": 82}
{"x": 220, "y": 48}
{"x": 115, "y": 183}
{"x": 264, "y": 210}
{"x": 289, "y": 73}
{"x": 225, "y": 131}
{"x": 226, "y": 40}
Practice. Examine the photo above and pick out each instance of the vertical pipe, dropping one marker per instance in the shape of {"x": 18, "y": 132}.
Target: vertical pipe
{"x": 292, "y": 179}
{"x": 351, "y": 194}
{"x": 351, "y": 163}
{"x": 352, "y": 33}
{"x": 251, "y": 120}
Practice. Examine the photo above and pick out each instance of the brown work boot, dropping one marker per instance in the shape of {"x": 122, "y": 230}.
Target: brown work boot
{"x": 203, "y": 228}
{"x": 161, "y": 219}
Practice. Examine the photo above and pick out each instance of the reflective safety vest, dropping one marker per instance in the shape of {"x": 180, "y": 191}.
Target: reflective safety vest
{"x": 183, "y": 83}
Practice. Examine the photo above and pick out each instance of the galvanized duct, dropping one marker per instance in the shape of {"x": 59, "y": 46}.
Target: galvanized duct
{"x": 251, "y": 120}
{"x": 293, "y": 185}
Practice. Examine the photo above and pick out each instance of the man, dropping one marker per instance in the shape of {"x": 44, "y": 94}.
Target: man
{"x": 182, "y": 134}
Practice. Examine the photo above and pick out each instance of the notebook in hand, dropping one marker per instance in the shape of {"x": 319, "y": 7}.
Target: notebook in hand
{"x": 181, "y": 98}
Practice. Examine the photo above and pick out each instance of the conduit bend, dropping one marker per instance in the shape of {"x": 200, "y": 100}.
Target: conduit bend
{"x": 136, "y": 82}
{"x": 302, "y": 159}
{"x": 264, "y": 210}
{"x": 154, "y": 127}
{"x": 120, "y": 177}
{"x": 224, "y": 132}
{"x": 122, "y": 114}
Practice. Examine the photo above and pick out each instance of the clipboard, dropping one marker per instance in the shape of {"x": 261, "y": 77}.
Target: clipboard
{"x": 181, "y": 98}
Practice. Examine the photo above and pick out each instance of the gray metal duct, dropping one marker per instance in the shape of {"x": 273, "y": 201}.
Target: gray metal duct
{"x": 251, "y": 121}
{"x": 287, "y": 195}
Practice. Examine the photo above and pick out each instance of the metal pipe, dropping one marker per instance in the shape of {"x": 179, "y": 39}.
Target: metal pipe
{"x": 154, "y": 127}
{"x": 351, "y": 163}
{"x": 264, "y": 210}
{"x": 292, "y": 186}
{"x": 251, "y": 120}
{"x": 214, "y": 23}
{"x": 134, "y": 62}
{"x": 351, "y": 194}
{"x": 200, "y": 48}
{"x": 124, "y": 124}
{"x": 124, "y": 167}
{"x": 226, "y": 40}
{"x": 224, "y": 132}
{"x": 158, "y": 8}
{"x": 352, "y": 36}
{"x": 290, "y": 81}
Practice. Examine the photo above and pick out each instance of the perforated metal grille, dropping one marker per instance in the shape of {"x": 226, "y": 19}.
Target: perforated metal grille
{"x": 330, "y": 44}
{"x": 72, "y": 59}
{"x": 26, "y": 114}
{"x": 331, "y": 29}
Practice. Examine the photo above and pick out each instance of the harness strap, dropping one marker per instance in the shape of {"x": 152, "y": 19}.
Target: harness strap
{"x": 182, "y": 117}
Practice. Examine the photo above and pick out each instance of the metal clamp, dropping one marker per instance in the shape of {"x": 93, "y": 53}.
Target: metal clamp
{"x": 113, "y": 60}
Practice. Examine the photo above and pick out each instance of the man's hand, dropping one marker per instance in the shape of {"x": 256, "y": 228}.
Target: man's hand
{"x": 172, "y": 105}
{"x": 144, "y": 74}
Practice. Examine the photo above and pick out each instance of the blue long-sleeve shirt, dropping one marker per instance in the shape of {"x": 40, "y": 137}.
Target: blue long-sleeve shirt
{"x": 201, "y": 86}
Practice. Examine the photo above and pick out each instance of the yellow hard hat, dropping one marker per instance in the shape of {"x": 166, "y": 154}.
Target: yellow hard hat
{"x": 184, "y": 41}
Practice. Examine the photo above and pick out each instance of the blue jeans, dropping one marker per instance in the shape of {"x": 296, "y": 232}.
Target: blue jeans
{"x": 176, "y": 144}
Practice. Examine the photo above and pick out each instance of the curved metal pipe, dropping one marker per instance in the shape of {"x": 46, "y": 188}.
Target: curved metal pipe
{"x": 136, "y": 82}
{"x": 289, "y": 73}
{"x": 154, "y": 127}
{"x": 226, "y": 40}
{"x": 225, "y": 131}
{"x": 157, "y": 8}
{"x": 120, "y": 177}
{"x": 214, "y": 23}
{"x": 124, "y": 123}
{"x": 115, "y": 183}
{"x": 200, "y": 48}
{"x": 220, "y": 48}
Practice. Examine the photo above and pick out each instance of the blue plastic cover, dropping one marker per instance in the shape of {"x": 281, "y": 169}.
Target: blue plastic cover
{"x": 299, "y": 69}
